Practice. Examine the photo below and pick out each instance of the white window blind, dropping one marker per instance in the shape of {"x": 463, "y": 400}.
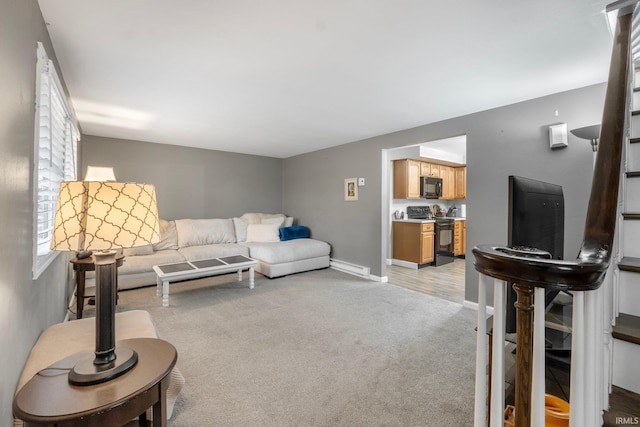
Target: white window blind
{"x": 56, "y": 148}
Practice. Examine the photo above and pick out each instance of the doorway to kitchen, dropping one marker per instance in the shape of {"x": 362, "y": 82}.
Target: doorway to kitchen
{"x": 413, "y": 266}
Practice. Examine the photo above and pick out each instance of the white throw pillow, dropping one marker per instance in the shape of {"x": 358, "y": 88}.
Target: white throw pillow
{"x": 288, "y": 222}
{"x": 168, "y": 236}
{"x": 263, "y": 233}
{"x": 240, "y": 227}
{"x": 275, "y": 220}
{"x": 196, "y": 232}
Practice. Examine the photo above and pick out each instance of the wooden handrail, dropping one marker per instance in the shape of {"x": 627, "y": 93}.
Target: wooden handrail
{"x": 530, "y": 269}
{"x": 588, "y": 270}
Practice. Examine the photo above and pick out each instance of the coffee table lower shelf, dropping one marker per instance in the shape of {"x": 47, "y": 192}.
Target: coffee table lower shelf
{"x": 179, "y": 271}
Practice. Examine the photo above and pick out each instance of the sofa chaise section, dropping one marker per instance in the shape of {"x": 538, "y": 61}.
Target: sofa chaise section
{"x": 277, "y": 259}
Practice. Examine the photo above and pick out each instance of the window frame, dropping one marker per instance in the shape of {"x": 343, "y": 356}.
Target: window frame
{"x": 54, "y": 126}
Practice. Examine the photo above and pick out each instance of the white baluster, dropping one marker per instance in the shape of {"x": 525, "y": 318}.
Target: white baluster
{"x": 601, "y": 365}
{"x": 497, "y": 354}
{"x": 480, "y": 414}
{"x": 590, "y": 358}
{"x": 538, "y": 364}
{"x": 577, "y": 409}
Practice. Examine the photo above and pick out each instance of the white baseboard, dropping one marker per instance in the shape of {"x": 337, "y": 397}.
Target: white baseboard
{"x": 383, "y": 279}
{"x": 347, "y": 267}
{"x": 406, "y": 264}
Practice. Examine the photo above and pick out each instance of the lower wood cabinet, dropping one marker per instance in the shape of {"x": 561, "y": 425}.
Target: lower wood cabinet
{"x": 413, "y": 241}
{"x": 459, "y": 238}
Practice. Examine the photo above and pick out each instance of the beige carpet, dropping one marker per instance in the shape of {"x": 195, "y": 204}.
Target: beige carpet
{"x": 320, "y": 348}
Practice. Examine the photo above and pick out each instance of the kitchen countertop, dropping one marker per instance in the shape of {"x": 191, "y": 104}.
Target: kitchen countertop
{"x": 426, "y": 221}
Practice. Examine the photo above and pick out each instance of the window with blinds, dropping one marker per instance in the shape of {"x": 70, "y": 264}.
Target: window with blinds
{"x": 56, "y": 148}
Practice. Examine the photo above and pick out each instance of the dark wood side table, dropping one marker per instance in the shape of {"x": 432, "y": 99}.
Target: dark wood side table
{"x": 81, "y": 266}
{"x": 49, "y": 400}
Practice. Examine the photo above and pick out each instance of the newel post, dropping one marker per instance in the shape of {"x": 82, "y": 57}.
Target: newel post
{"x": 524, "y": 354}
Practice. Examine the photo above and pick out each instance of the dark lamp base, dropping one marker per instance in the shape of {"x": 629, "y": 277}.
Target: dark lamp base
{"x": 87, "y": 373}
{"x": 83, "y": 254}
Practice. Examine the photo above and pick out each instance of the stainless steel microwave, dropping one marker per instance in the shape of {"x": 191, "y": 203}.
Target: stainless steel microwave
{"x": 430, "y": 187}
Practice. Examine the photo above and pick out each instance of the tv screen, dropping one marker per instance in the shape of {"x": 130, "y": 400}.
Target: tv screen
{"x": 536, "y": 220}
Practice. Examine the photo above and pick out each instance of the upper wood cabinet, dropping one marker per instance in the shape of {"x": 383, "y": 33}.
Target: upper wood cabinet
{"x": 461, "y": 183}
{"x": 407, "y": 173}
{"x": 406, "y": 179}
{"x": 429, "y": 169}
{"x": 447, "y": 173}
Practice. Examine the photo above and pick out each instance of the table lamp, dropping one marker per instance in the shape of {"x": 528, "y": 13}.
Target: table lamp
{"x": 100, "y": 173}
{"x": 102, "y": 216}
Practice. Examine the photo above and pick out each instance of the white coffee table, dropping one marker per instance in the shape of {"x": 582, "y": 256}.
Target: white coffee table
{"x": 203, "y": 268}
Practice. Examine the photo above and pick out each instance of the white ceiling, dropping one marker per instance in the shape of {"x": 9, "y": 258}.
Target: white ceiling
{"x": 284, "y": 77}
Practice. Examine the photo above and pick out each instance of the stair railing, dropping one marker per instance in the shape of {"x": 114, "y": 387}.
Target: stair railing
{"x": 533, "y": 275}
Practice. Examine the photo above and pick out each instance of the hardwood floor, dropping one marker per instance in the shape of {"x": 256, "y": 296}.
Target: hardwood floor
{"x": 445, "y": 281}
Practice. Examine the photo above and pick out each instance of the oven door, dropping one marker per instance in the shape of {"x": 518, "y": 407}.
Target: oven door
{"x": 444, "y": 241}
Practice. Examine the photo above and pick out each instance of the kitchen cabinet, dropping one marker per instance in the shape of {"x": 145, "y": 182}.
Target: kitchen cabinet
{"x": 447, "y": 173}
{"x": 429, "y": 169}
{"x": 460, "y": 183}
{"x": 459, "y": 238}
{"x": 406, "y": 179}
{"x": 407, "y": 173}
{"x": 413, "y": 241}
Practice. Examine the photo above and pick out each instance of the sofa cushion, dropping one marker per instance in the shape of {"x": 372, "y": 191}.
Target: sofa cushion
{"x": 143, "y": 263}
{"x": 263, "y": 232}
{"x": 196, "y": 232}
{"x": 168, "y": 236}
{"x": 275, "y": 220}
{"x": 257, "y": 218}
{"x": 194, "y": 253}
{"x": 240, "y": 227}
{"x": 138, "y": 250}
{"x": 288, "y": 251}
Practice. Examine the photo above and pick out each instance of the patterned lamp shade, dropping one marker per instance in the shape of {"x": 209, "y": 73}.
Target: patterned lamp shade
{"x": 105, "y": 215}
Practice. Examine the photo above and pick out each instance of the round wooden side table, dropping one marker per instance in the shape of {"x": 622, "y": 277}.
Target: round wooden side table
{"x": 81, "y": 266}
{"x": 48, "y": 399}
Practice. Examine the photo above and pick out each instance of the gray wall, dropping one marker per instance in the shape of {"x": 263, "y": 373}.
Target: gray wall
{"x": 500, "y": 142}
{"x": 192, "y": 182}
{"x": 199, "y": 183}
{"x": 26, "y": 306}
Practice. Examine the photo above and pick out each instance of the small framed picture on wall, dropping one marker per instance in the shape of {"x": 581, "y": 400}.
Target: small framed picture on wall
{"x": 350, "y": 189}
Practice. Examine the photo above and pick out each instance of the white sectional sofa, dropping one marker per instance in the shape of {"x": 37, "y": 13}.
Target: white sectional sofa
{"x": 253, "y": 234}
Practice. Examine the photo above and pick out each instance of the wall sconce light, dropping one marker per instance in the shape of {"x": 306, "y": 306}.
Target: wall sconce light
{"x": 592, "y": 133}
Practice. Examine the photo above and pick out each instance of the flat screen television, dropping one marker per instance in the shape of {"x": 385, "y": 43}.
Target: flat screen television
{"x": 536, "y": 220}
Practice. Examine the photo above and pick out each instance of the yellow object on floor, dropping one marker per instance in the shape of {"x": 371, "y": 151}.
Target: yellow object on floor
{"x": 556, "y": 413}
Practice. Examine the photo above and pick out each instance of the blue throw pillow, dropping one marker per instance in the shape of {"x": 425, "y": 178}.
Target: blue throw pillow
{"x": 294, "y": 232}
